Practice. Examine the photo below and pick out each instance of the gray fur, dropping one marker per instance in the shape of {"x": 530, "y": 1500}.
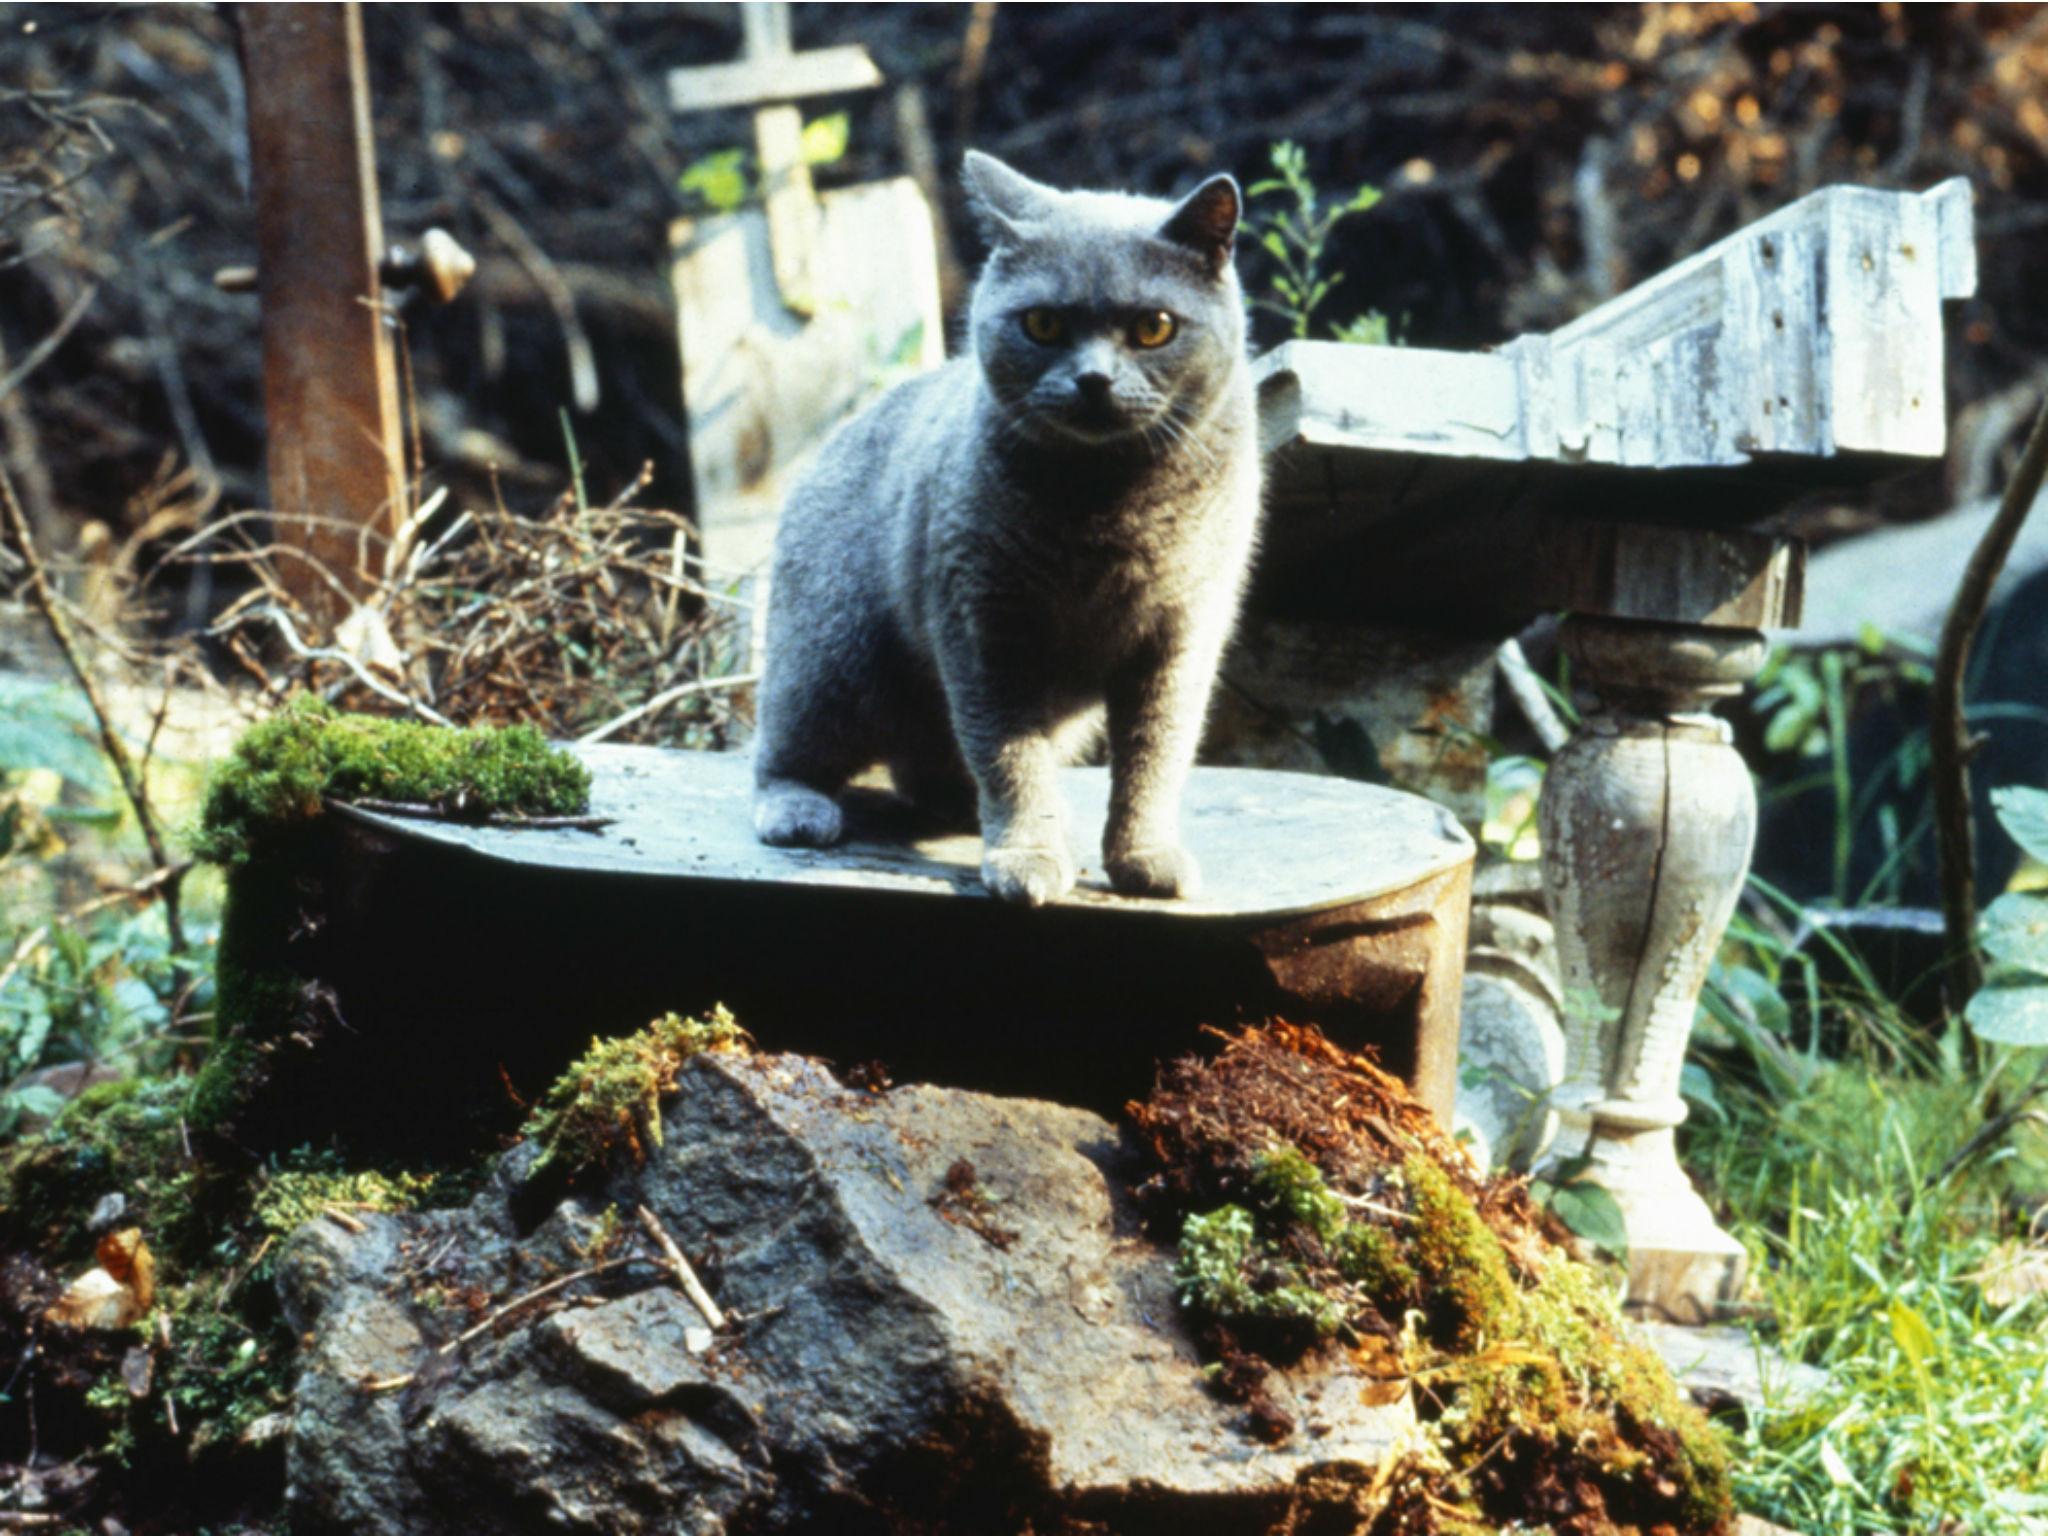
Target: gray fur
{"x": 987, "y": 564}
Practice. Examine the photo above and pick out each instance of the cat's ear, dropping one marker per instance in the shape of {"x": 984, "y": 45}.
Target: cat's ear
{"x": 1206, "y": 220}
{"x": 1003, "y": 200}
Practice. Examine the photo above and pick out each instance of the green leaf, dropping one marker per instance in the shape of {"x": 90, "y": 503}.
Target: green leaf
{"x": 719, "y": 179}
{"x": 1916, "y": 1342}
{"x": 2006, "y": 1014}
{"x": 1751, "y": 1008}
{"x": 1911, "y": 1333}
{"x": 1592, "y": 1213}
{"x": 824, "y": 139}
{"x": 2014, "y": 930}
{"x": 85, "y": 815}
{"x": 1261, "y": 188}
{"x": 1272, "y": 242}
{"x": 1363, "y": 199}
{"x": 2023, "y": 812}
{"x": 37, "y": 1099}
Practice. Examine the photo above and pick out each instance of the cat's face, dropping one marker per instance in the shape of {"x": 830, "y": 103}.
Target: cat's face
{"x": 1103, "y": 318}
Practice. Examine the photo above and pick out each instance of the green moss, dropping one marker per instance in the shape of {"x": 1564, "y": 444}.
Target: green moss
{"x": 288, "y": 1199}
{"x": 1459, "y": 1260}
{"x": 228, "y": 1366}
{"x": 608, "y": 1103}
{"x": 115, "y": 1138}
{"x": 1235, "y": 1264}
{"x": 1369, "y": 1256}
{"x": 1543, "y": 1366}
{"x": 283, "y": 770}
{"x": 223, "y": 1357}
{"x": 1294, "y": 1189}
{"x": 221, "y": 1086}
{"x": 1225, "y": 1271}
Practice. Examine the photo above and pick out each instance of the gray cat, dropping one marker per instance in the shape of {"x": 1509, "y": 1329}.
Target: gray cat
{"x": 996, "y": 556}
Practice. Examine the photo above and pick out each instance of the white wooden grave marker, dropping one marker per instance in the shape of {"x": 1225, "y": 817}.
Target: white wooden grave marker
{"x": 794, "y": 313}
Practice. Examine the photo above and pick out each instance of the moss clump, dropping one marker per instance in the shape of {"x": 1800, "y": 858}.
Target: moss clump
{"x": 283, "y": 771}
{"x": 1296, "y": 1259}
{"x": 289, "y": 1198}
{"x": 276, "y": 1018}
{"x": 608, "y": 1103}
{"x": 1373, "y": 1230}
{"x": 116, "y": 1138}
{"x": 1225, "y": 1271}
{"x": 1474, "y": 1298}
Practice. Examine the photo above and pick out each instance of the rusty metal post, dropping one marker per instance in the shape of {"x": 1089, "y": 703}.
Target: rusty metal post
{"x": 330, "y": 393}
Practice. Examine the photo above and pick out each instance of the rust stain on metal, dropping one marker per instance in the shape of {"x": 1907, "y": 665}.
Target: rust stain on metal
{"x": 329, "y": 384}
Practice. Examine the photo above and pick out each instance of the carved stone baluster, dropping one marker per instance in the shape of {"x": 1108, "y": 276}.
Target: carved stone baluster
{"x": 1648, "y": 820}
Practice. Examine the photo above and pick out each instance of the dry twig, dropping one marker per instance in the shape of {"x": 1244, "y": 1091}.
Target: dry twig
{"x": 685, "y": 1276}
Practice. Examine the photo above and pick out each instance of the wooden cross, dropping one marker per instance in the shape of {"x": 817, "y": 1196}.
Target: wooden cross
{"x": 792, "y": 313}
{"x": 770, "y": 77}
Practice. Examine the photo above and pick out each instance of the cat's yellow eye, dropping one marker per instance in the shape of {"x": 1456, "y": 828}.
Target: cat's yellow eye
{"x": 1155, "y": 329}
{"x": 1044, "y": 325}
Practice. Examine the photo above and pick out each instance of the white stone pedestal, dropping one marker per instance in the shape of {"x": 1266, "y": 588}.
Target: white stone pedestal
{"x": 1648, "y": 819}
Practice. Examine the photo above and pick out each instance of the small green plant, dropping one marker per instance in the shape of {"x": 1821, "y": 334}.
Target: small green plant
{"x": 1872, "y": 1263}
{"x": 724, "y": 181}
{"x": 1296, "y": 234}
{"x": 608, "y": 1104}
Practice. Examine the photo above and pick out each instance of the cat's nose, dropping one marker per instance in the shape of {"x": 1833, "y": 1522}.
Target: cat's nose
{"x": 1093, "y": 388}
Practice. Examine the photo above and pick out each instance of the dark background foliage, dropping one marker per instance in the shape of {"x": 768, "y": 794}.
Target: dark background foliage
{"x": 1534, "y": 158}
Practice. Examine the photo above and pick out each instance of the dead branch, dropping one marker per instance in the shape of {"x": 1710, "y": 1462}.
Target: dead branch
{"x": 40, "y": 352}
{"x": 435, "y": 813}
{"x": 498, "y": 1315}
{"x": 665, "y": 698}
{"x": 285, "y": 628}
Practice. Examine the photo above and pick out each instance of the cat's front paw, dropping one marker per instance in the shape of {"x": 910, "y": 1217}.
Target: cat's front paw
{"x": 1030, "y": 877}
{"x": 1166, "y": 871}
{"x": 790, "y": 815}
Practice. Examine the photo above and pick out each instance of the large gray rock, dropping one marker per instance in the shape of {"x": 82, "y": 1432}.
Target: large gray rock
{"x": 916, "y": 1344}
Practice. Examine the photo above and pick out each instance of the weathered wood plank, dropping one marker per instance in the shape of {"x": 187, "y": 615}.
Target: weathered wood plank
{"x": 1720, "y": 578}
{"x": 750, "y": 82}
{"x": 1816, "y": 331}
{"x": 330, "y": 393}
